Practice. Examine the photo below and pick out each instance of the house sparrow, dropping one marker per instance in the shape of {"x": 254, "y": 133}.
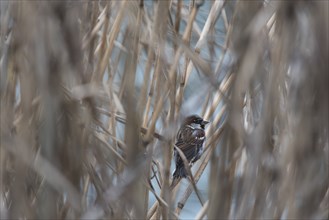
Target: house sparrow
{"x": 189, "y": 140}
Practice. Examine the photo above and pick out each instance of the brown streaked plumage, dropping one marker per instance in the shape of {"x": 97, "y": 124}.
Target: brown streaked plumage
{"x": 189, "y": 140}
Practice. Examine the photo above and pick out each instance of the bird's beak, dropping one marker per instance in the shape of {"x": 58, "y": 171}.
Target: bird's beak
{"x": 204, "y": 122}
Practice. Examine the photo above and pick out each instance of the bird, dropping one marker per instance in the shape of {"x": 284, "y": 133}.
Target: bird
{"x": 190, "y": 139}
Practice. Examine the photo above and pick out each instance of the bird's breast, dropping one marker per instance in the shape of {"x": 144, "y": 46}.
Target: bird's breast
{"x": 199, "y": 134}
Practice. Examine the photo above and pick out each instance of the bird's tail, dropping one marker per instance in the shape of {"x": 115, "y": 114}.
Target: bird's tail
{"x": 174, "y": 183}
{"x": 180, "y": 172}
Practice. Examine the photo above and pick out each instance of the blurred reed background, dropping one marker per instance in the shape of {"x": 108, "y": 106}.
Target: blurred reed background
{"x": 93, "y": 92}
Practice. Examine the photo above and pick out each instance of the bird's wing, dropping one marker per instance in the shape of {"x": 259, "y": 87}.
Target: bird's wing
{"x": 189, "y": 140}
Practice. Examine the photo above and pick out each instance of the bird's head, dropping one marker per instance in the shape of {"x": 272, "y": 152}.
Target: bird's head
{"x": 195, "y": 121}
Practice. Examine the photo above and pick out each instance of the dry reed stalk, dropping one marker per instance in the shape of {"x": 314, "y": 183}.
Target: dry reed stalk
{"x": 92, "y": 94}
{"x": 261, "y": 141}
{"x": 172, "y": 82}
{"x": 99, "y": 72}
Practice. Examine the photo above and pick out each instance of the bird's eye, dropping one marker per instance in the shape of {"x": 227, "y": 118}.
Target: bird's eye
{"x": 196, "y": 121}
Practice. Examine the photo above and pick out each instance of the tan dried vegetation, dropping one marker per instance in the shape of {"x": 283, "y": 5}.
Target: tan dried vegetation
{"x": 92, "y": 94}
